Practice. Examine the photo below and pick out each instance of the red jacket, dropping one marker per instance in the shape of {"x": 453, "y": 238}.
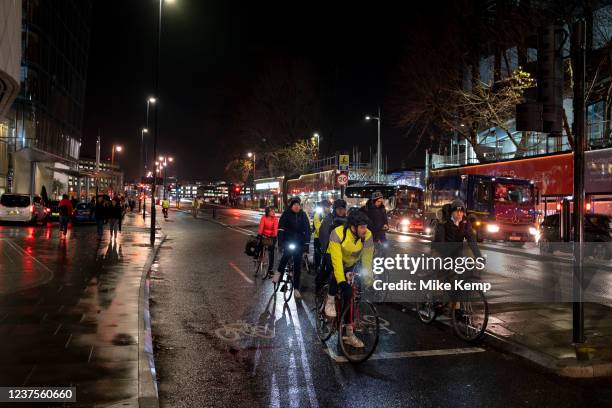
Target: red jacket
{"x": 68, "y": 204}
{"x": 268, "y": 226}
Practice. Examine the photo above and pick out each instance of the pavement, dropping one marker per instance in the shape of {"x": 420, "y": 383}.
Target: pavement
{"x": 69, "y": 311}
{"x": 201, "y": 285}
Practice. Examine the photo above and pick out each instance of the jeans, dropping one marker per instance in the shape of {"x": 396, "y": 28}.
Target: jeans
{"x": 296, "y": 254}
{"x": 113, "y": 225}
{"x": 317, "y": 253}
{"x": 100, "y": 226}
{"x": 63, "y": 223}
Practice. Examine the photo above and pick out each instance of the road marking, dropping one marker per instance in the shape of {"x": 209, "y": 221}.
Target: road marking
{"x": 237, "y": 269}
{"x": 410, "y": 354}
{"x": 310, "y": 389}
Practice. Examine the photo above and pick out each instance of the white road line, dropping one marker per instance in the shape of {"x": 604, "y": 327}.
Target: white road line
{"x": 410, "y": 354}
{"x": 24, "y": 252}
{"x": 299, "y": 335}
{"x": 274, "y": 393}
{"x": 237, "y": 269}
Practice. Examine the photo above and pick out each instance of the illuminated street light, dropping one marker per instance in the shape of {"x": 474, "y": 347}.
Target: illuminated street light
{"x": 378, "y": 153}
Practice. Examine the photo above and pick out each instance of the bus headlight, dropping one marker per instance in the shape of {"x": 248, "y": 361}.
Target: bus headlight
{"x": 493, "y": 228}
{"x": 427, "y": 230}
{"x": 533, "y": 231}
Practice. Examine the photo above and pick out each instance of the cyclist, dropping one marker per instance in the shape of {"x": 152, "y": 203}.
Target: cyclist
{"x": 322, "y": 210}
{"x": 452, "y": 230}
{"x": 294, "y": 229}
{"x": 165, "y": 207}
{"x": 376, "y": 212}
{"x": 348, "y": 245}
{"x": 268, "y": 228}
{"x": 336, "y": 218}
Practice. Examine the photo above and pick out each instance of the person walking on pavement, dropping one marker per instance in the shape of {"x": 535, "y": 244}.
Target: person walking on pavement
{"x": 65, "y": 211}
{"x": 376, "y": 212}
{"x": 294, "y": 234}
{"x": 100, "y": 214}
{"x": 195, "y": 207}
{"x": 268, "y": 228}
{"x": 114, "y": 217}
{"x": 123, "y": 206}
{"x": 322, "y": 210}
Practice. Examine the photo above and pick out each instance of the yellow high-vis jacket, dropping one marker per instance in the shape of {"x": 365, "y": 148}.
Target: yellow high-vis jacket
{"x": 345, "y": 254}
{"x": 316, "y": 223}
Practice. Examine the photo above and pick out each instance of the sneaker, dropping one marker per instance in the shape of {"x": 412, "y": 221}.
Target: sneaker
{"x": 330, "y": 306}
{"x": 351, "y": 339}
{"x": 276, "y": 277}
{"x": 297, "y": 294}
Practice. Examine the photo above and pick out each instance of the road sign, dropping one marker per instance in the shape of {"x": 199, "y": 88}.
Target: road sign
{"x": 342, "y": 178}
{"x": 343, "y": 162}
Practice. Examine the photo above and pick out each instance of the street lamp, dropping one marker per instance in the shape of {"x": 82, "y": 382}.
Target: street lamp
{"x": 156, "y": 123}
{"x": 378, "y": 149}
{"x": 251, "y": 154}
{"x": 118, "y": 149}
{"x": 318, "y": 138}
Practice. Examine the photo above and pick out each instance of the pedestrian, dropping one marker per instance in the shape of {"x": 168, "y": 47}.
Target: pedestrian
{"x": 294, "y": 234}
{"x": 65, "y": 211}
{"x": 123, "y": 206}
{"x": 114, "y": 217}
{"x": 132, "y": 204}
{"x": 100, "y": 214}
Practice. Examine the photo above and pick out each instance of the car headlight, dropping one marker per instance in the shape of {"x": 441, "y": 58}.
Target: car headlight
{"x": 427, "y": 230}
{"x": 492, "y": 228}
{"x": 405, "y": 221}
{"x": 533, "y": 231}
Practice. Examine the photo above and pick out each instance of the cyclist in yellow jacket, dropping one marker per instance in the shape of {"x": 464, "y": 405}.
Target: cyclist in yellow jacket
{"x": 321, "y": 212}
{"x": 349, "y": 244}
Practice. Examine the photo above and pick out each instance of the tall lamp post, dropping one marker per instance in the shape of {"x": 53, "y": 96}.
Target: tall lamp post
{"x": 316, "y": 137}
{"x": 155, "y": 121}
{"x": 378, "y": 148}
{"x": 252, "y": 155}
{"x": 118, "y": 149}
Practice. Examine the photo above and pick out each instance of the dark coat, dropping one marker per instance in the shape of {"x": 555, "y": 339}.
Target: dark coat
{"x": 448, "y": 239}
{"x": 378, "y": 218}
{"x": 295, "y": 228}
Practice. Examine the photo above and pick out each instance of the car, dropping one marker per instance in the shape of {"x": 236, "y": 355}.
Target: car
{"x": 23, "y": 208}
{"x": 597, "y": 235}
{"x": 406, "y": 220}
{"x": 83, "y": 212}
{"x": 54, "y": 210}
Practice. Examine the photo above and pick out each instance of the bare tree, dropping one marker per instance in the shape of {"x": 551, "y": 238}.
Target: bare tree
{"x": 292, "y": 159}
{"x": 238, "y": 170}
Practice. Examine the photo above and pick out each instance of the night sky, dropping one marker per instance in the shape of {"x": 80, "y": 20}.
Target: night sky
{"x": 213, "y": 52}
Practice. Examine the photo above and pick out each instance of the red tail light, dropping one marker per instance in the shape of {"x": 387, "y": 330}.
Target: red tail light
{"x": 47, "y": 210}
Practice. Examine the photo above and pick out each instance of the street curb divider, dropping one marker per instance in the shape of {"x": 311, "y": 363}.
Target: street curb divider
{"x": 148, "y": 396}
{"x": 563, "y": 367}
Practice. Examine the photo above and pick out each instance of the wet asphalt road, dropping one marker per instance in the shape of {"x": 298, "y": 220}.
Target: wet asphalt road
{"x": 203, "y": 280}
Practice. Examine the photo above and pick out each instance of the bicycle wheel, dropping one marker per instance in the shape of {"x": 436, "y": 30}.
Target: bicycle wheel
{"x": 471, "y": 318}
{"x": 288, "y": 286}
{"x": 362, "y": 319}
{"x": 324, "y": 325}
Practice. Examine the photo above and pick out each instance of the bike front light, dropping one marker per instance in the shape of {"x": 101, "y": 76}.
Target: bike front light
{"x": 492, "y": 228}
{"x": 318, "y": 210}
{"x": 292, "y": 246}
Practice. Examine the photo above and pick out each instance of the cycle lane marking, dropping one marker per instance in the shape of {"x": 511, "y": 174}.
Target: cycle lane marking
{"x": 237, "y": 269}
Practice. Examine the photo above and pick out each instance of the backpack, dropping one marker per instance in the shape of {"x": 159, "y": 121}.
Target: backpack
{"x": 252, "y": 248}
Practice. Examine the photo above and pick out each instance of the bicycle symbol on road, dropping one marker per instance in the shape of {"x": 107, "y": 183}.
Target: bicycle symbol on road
{"x": 237, "y": 330}
{"x": 383, "y": 324}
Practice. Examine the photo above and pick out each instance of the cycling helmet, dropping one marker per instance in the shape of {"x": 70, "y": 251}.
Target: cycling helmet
{"x": 339, "y": 203}
{"x": 356, "y": 217}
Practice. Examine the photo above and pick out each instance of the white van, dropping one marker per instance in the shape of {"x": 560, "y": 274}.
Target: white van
{"x": 22, "y": 208}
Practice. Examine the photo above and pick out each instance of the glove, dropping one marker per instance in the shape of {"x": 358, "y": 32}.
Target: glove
{"x": 344, "y": 287}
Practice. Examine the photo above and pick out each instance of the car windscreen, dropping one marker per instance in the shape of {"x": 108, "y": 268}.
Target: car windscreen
{"x": 10, "y": 200}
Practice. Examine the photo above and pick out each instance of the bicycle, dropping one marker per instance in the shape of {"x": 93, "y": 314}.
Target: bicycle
{"x": 285, "y": 282}
{"x": 358, "y": 314}
{"x": 380, "y": 251}
{"x": 469, "y": 315}
{"x": 262, "y": 260}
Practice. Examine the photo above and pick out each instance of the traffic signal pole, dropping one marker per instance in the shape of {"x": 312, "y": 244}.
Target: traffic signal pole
{"x": 578, "y": 62}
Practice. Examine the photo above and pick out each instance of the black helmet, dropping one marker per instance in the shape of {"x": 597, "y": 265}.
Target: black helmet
{"x": 376, "y": 195}
{"x": 339, "y": 203}
{"x": 457, "y": 205}
{"x": 356, "y": 217}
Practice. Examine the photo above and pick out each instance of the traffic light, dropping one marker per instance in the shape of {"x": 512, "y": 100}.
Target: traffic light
{"x": 237, "y": 189}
